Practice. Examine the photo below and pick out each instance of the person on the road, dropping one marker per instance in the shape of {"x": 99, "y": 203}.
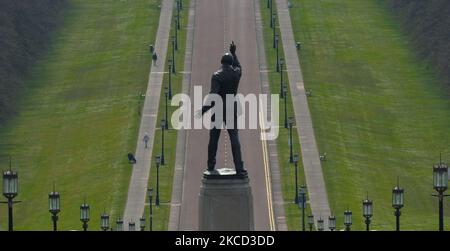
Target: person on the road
{"x": 146, "y": 139}
{"x": 154, "y": 56}
{"x": 225, "y": 81}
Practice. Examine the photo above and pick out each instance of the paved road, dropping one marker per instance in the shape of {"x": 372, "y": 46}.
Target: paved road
{"x": 139, "y": 178}
{"x": 217, "y": 23}
{"x": 310, "y": 156}
{"x": 272, "y": 148}
{"x": 177, "y": 187}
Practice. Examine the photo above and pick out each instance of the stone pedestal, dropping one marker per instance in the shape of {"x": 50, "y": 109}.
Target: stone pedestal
{"x": 226, "y": 202}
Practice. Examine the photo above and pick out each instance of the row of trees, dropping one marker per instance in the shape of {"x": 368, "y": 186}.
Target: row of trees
{"x": 25, "y": 26}
{"x": 428, "y": 22}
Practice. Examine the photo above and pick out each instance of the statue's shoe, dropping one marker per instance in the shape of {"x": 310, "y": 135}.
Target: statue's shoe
{"x": 241, "y": 171}
{"x": 211, "y": 172}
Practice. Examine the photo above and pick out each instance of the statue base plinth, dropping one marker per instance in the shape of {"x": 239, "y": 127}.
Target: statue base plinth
{"x": 226, "y": 201}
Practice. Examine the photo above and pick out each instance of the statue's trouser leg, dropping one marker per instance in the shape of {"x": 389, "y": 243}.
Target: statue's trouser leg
{"x": 214, "y": 135}
{"x": 236, "y": 149}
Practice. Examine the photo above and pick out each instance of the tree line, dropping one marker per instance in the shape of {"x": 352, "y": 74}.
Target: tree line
{"x": 25, "y": 28}
{"x": 428, "y": 25}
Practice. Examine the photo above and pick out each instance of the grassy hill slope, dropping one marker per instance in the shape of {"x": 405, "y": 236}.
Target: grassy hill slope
{"x": 79, "y": 116}
{"x": 379, "y": 112}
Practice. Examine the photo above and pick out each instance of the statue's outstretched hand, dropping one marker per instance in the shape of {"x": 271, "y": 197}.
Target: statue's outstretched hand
{"x": 232, "y": 48}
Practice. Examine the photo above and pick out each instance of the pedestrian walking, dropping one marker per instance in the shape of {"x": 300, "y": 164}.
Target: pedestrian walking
{"x": 146, "y": 138}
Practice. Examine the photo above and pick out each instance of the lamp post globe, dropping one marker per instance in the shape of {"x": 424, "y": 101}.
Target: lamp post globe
{"x": 119, "y": 224}
{"x": 302, "y": 204}
{"x": 142, "y": 223}
{"x": 367, "y": 212}
{"x": 332, "y": 223}
{"x": 10, "y": 191}
{"x": 54, "y": 202}
{"x": 320, "y": 225}
{"x": 347, "y": 219}
{"x": 397, "y": 204}
{"x": 131, "y": 226}
{"x": 104, "y": 221}
{"x": 440, "y": 184}
{"x": 10, "y": 184}
{"x": 84, "y": 215}
{"x": 54, "y": 207}
{"x": 440, "y": 177}
{"x": 166, "y": 90}
{"x": 397, "y": 197}
{"x": 311, "y": 222}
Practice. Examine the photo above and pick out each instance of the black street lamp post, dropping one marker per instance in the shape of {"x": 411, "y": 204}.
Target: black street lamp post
{"x": 177, "y": 20}
{"x": 54, "y": 207}
{"x": 274, "y": 16}
{"x": 347, "y": 219}
{"x": 173, "y": 55}
{"x": 84, "y": 215}
{"x": 170, "y": 78}
{"x": 119, "y": 224}
{"x": 291, "y": 124}
{"x": 281, "y": 78}
{"x": 277, "y": 38}
{"x": 440, "y": 184}
{"x": 332, "y": 223}
{"x": 10, "y": 191}
{"x": 142, "y": 223}
{"x": 397, "y": 204}
{"x": 302, "y": 204}
{"x": 311, "y": 222}
{"x": 104, "y": 221}
{"x": 150, "y": 201}
{"x": 178, "y": 16}
{"x": 367, "y": 212}
{"x": 166, "y": 95}
{"x": 158, "y": 162}
{"x": 296, "y": 178}
{"x": 271, "y": 14}
{"x": 285, "y": 107}
{"x": 163, "y": 127}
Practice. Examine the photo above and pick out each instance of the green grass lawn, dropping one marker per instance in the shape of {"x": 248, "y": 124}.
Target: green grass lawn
{"x": 378, "y": 112}
{"x": 293, "y": 213}
{"x": 161, "y": 213}
{"x": 78, "y": 117}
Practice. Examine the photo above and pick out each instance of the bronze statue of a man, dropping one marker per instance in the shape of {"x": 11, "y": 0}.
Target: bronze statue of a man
{"x": 226, "y": 81}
